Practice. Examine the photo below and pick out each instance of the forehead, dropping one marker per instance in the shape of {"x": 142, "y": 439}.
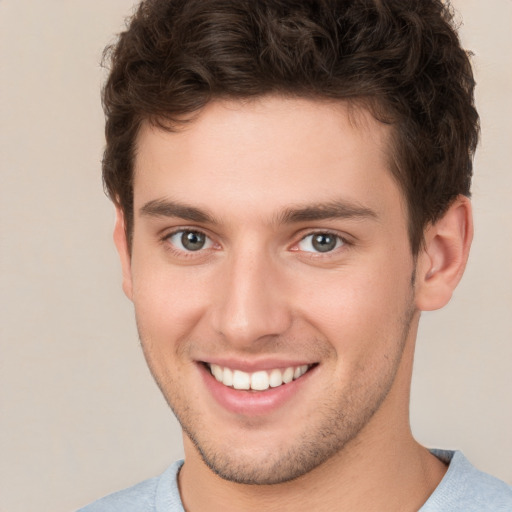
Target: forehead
{"x": 268, "y": 153}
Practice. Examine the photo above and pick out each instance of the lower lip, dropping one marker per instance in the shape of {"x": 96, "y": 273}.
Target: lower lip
{"x": 252, "y": 403}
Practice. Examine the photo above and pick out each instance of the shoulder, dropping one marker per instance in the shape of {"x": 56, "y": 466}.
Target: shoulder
{"x": 466, "y": 489}
{"x": 158, "y": 494}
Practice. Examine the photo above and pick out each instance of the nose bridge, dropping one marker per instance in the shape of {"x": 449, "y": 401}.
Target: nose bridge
{"x": 251, "y": 305}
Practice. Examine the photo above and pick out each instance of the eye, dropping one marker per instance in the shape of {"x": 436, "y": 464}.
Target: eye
{"x": 320, "y": 242}
{"x": 189, "y": 241}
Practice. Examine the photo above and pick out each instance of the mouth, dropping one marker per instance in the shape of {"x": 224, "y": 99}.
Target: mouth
{"x": 260, "y": 380}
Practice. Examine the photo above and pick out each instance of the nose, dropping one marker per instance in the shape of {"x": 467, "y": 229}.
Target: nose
{"x": 252, "y": 303}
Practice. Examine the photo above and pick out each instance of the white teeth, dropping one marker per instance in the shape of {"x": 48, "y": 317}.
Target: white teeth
{"x": 301, "y": 370}
{"x": 241, "y": 380}
{"x": 217, "y": 372}
{"x": 258, "y": 381}
{"x": 227, "y": 377}
{"x": 276, "y": 378}
{"x": 288, "y": 375}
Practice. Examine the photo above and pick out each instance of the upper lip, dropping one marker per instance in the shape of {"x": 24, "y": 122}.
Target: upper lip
{"x": 251, "y": 366}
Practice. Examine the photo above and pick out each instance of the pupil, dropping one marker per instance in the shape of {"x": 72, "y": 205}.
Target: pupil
{"x": 192, "y": 240}
{"x": 324, "y": 242}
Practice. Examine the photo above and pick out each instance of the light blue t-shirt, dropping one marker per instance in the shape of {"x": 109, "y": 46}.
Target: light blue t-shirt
{"x": 463, "y": 489}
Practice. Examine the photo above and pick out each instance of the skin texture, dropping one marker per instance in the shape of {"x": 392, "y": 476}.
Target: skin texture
{"x": 254, "y": 178}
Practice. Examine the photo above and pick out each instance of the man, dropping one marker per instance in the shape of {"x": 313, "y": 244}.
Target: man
{"x": 291, "y": 182}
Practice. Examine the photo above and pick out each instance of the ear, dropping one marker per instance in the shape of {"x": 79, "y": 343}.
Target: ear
{"x": 124, "y": 252}
{"x": 442, "y": 260}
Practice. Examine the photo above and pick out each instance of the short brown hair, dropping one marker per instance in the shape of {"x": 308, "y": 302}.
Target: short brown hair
{"x": 401, "y": 58}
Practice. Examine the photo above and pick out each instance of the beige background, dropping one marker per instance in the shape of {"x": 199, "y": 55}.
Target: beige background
{"x": 80, "y": 415}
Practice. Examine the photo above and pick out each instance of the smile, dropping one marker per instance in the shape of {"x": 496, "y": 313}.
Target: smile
{"x": 257, "y": 381}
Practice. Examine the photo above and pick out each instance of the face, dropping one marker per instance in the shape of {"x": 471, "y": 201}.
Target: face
{"x": 271, "y": 277}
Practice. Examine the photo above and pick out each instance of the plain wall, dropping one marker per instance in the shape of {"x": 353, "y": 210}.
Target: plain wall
{"x": 79, "y": 413}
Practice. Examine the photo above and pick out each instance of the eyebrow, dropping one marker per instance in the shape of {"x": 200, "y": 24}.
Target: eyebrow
{"x": 323, "y": 211}
{"x": 291, "y": 215}
{"x": 166, "y": 208}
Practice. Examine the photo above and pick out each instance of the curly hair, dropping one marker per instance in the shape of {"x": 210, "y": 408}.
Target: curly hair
{"x": 401, "y": 59}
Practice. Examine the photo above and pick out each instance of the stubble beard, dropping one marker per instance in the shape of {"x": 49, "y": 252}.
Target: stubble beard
{"x": 341, "y": 421}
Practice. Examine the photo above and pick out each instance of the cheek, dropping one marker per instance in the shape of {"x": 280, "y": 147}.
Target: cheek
{"x": 360, "y": 311}
{"x": 166, "y": 311}
{"x": 167, "y": 304}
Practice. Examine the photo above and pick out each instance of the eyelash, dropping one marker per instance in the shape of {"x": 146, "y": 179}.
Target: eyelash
{"x": 183, "y": 253}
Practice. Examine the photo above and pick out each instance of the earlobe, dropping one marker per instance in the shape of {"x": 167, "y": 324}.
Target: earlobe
{"x": 123, "y": 250}
{"x": 442, "y": 260}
